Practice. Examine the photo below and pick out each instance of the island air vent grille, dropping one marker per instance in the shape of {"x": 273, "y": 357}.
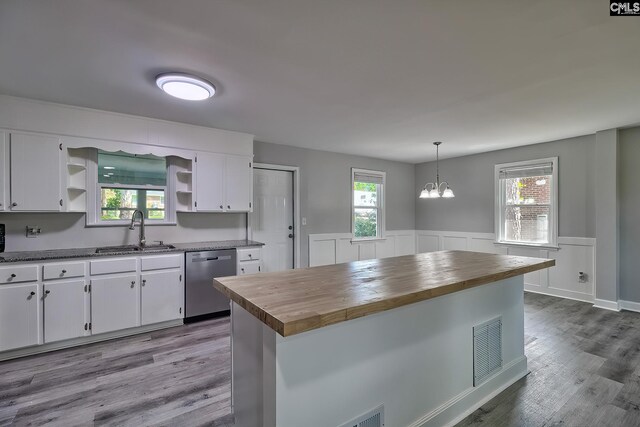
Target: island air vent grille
{"x": 487, "y": 350}
{"x": 374, "y": 418}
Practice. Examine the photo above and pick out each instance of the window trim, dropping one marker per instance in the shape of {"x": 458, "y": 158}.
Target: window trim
{"x": 499, "y": 204}
{"x": 381, "y": 205}
{"x": 147, "y": 221}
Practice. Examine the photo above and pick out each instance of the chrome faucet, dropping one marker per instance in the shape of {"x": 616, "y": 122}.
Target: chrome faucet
{"x": 143, "y": 240}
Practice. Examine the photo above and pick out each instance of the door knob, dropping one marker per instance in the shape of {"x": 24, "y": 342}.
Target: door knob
{"x": 14, "y": 204}
{"x": 291, "y": 236}
{"x": 291, "y": 227}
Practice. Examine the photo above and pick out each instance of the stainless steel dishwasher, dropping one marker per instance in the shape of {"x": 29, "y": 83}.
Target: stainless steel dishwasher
{"x": 202, "y": 300}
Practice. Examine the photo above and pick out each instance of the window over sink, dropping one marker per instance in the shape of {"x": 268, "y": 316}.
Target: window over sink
{"x": 128, "y": 182}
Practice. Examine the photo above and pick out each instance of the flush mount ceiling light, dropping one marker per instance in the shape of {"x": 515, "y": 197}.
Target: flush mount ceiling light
{"x": 185, "y": 86}
{"x": 434, "y": 190}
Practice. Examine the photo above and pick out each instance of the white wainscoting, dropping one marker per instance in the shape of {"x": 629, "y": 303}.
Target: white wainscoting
{"x": 575, "y": 254}
{"x": 335, "y": 248}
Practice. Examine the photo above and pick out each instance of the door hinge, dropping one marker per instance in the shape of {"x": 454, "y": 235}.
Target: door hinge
{"x": 249, "y": 204}
{"x": 259, "y": 268}
{"x": 60, "y": 146}
{"x": 60, "y": 202}
{"x": 180, "y": 310}
{"x": 86, "y": 288}
{"x": 180, "y": 278}
{"x": 249, "y": 164}
{"x": 89, "y": 326}
{"x": 89, "y": 288}
{"x": 86, "y": 326}
{"x": 196, "y": 159}
{"x": 195, "y": 204}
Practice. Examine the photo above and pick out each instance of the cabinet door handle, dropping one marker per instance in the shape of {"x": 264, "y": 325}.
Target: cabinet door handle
{"x": 13, "y": 275}
{"x": 144, "y": 282}
{"x": 242, "y": 269}
{"x": 64, "y": 271}
{"x": 47, "y": 292}
{"x": 133, "y": 283}
{"x": 228, "y": 206}
{"x": 14, "y": 204}
{"x": 221, "y": 207}
{"x": 32, "y": 293}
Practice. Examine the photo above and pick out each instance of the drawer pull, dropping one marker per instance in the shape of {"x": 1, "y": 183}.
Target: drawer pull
{"x": 32, "y": 293}
{"x": 47, "y": 292}
{"x": 13, "y": 275}
{"x": 64, "y": 271}
{"x": 144, "y": 282}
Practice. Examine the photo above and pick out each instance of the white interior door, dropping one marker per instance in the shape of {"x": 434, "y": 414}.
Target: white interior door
{"x": 272, "y": 217}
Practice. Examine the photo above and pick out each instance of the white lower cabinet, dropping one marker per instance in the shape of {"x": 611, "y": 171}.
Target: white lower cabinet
{"x": 114, "y": 303}
{"x": 20, "y": 318}
{"x": 65, "y": 316}
{"x": 162, "y": 296}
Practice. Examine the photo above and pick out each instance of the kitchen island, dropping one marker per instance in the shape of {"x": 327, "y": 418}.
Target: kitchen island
{"x": 426, "y": 338}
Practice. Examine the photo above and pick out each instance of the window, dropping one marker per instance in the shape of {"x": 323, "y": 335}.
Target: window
{"x": 127, "y": 182}
{"x": 526, "y": 202}
{"x": 367, "y": 201}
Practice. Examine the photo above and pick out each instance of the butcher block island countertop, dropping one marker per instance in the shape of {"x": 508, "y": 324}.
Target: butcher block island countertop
{"x": 295, "y": 301}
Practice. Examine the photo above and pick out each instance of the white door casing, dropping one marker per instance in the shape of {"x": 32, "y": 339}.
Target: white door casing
{"x": 272, "y": 220}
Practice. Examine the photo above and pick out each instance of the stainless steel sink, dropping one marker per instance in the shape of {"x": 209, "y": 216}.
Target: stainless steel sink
{"x": 132, "y": 248}
{"x": 157, "y": 248}
{"x": 116, "y": 249}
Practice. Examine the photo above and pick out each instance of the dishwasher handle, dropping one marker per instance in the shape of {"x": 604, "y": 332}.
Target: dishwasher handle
{"x": 215, "y": 258}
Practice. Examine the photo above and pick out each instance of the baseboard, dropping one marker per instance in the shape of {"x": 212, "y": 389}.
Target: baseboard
{"x": 75, "y": 342}
{"x": 461, "y": 406}
{"x": 629, "y": 305}
{"x": 606, "y": 304}
{"x": 560, "y": 293}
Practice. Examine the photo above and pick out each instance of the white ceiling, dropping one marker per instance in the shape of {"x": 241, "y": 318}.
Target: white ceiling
{"x": 382, "y": 78}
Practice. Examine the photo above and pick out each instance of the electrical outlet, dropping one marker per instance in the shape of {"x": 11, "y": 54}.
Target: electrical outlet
{"x": 33, "y": 231}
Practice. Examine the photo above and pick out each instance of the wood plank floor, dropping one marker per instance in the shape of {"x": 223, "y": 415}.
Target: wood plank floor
{"x": 585, "y": 369}
{"x": 584, "y": 362}
{"x": 174, "y": 377}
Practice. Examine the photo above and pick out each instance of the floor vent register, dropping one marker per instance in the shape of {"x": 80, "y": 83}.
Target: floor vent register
{"x": 487, "y": 350}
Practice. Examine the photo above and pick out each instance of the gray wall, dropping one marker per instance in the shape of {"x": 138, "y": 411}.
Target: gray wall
{"x": 472, "y": 180}
{"x": 325, "y": 196}
{"x": 629, "y": 211}
{"x": 67, "y": 230}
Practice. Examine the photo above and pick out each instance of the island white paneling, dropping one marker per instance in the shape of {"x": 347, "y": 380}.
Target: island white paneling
{"x": 575, "y": 255}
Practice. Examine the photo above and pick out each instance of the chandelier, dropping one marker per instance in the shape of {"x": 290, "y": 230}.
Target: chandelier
{"x": 437, "y": 189}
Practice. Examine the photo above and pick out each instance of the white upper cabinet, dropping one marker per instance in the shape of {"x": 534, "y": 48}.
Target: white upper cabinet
{"x": 35, "y": 173}
{"x": 210, "y": 182}
{"x": 238, "y": 183}
{"x": 4, "y": 171}
{"x": 224, "y": 183}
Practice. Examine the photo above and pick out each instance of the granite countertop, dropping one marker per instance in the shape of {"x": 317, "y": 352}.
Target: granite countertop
{"x": 51, "y": 254}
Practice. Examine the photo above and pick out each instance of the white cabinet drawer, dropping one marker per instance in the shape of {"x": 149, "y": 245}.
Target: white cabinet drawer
{"x": 161, "y": 262}
{"x": 19, "y": 273}
{"x": 248, "y": 254}
{"x": 109, "y": 266}
{"x": 63, "y": 270}
{"x": 249, "y": 267}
